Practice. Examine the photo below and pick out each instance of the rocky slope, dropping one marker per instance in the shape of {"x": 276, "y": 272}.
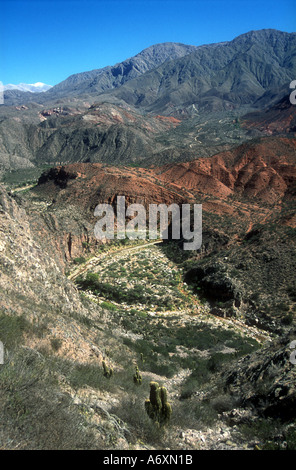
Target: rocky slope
{"x": 262, "y": 168}
{"x": 256, "y": 398}
{"x": 277, "y": 119}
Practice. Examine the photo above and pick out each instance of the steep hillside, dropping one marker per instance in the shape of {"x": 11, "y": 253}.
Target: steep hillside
{"x": 262, "y": 168}
{"x": 216, "y": 77}
{"x": 38, "y": 136}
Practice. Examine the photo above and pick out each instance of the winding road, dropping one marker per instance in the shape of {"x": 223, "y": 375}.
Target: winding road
{"x": 95, "y": 260}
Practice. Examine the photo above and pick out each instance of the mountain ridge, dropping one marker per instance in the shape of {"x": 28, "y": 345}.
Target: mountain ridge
{"x": 218, "y": 76}
{"x": 160, "y": 57}
{"x": 112, "y": 76}
{"x": 187, "y": 84}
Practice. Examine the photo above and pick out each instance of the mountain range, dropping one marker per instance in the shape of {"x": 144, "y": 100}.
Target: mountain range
{"x": 161, "y": 105}
{"x": 218, "y": 76}
{"x": 169, "y": 76}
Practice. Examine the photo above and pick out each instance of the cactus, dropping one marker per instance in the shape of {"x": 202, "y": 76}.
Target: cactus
{"x": 108, "y": 372}
{"x": 166, "y": 410}
{"x": 142, "y": 358}
{"x": 137, "y": 377}
{"x": 157, "y": 407}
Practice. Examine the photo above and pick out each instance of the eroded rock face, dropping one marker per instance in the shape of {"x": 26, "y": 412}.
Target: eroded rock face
{"x": 33, "y": 284}
{"x": 28, "y": 270}
{"x": 265, "y": 380}
{"x": 263, "y": 168}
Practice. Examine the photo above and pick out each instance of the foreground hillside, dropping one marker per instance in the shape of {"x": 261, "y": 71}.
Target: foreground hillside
{"x": 54, "y": 394}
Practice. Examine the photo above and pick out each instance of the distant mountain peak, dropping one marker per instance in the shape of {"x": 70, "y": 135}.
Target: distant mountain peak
{"x": 32, "y": 87}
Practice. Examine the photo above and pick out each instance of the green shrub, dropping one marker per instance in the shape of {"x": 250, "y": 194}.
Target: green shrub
{"x": 56, "y": 343}
{"x": 79, "y": 260}
{"x": 12, "y": 329}
{"x": 109, "y": 306}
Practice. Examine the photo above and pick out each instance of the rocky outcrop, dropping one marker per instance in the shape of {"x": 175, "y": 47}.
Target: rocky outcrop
{"x": 265, "y": 380}
{"x": 215, "y": 282}
{"x": 28, "y": 270}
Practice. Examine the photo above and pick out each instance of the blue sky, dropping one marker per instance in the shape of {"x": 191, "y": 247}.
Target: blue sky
{"x": 46, "y": 41}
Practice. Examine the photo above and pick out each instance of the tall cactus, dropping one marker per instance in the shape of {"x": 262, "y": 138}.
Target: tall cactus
{"x": 137, "y": 377}
{"x": 166, "y": 410}
{"x": 108, "y": 372}
{"x": 157, "y": 406}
